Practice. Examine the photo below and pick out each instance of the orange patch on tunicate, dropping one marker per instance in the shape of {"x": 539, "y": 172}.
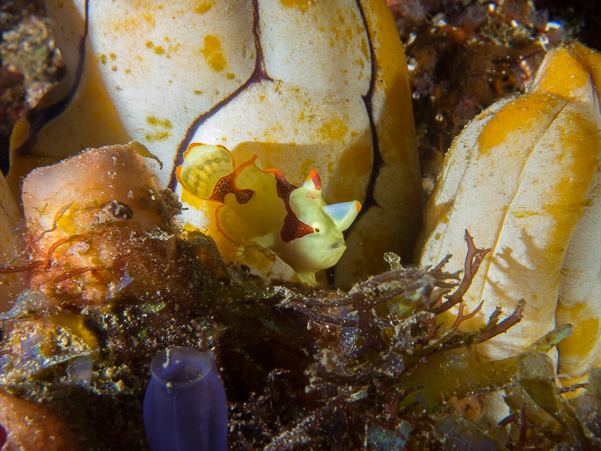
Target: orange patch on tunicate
{"x": 333, "y": 130}
{"x": 300, "y": 4}
{"x": 341, "y": 33}
{"x": 203, "y": 6}
{"x": 349, "y": 174}
{"x": 566, "y": 201}
{"x": 273, "y": 133}
{"x": 578, "y": 141}
{"x": 562, "y": 75}
{"x": 590, "y": 60}
{"x": 347, "y": 29}
{"x": 339, "y": 192}
{"x": 356, "y": 160}
{"x": 96, "y": 95}
{"x": 138, "y": 21}
{"x": 213, "y": 53}
{"x": 583, "y": 340}
{"x": 514, "y": 117}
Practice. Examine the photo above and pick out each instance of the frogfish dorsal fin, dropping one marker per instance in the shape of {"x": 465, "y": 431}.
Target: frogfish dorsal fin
{"x": 343, "y": 214}
{"x": 292, "y": 228}
{"x": 206, "y": 172}
{"x": 315, "y": 179}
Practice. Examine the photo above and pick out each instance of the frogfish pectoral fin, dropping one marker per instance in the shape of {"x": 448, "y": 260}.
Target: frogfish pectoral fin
{"x": 266, "y": 241}
{"x": 308, "y": 278}
{"x": 232, "y": 226}
{"x": 343, "y": 214}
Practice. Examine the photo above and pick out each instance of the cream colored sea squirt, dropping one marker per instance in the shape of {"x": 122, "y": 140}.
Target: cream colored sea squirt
{"x": 304, "y": 85}
{"x": 523, "y": 177}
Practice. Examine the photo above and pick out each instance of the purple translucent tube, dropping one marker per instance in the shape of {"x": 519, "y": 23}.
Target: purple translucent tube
{"x": 184, "y": 405}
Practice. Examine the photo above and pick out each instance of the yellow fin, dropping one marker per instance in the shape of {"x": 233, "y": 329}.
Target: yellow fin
{"x": 264, "y": 212}
{"x": 266, "y": 241}
{"x": 308, "y": 278}
{"x": 204, "y": 165}
{"x": 249, "y": 174}
{"x": 232, "y": 226}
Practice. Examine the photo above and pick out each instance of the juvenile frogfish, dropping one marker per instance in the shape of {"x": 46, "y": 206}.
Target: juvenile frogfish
{"x": 261, "y": 206}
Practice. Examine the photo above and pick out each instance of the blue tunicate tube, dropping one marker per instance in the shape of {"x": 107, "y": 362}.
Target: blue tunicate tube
{"x": 184, "y": 406}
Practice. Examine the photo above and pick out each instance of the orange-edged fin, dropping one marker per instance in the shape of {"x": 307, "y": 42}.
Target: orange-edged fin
{"x": 315, "y": 178}
{"x": 232, "y": 226}
{"x": 192, "y": 146}
{"x": 265, "y": 211}
{"x": 203, "y": 168}
{"x": 248, "y": 175}
{"x": 177, "y": 171}
{"x": 275, "y": 172}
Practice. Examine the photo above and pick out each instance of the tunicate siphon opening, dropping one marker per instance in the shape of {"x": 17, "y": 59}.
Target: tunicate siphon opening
{"x": 180, "y": 366}
{"x": 184, "y": 406}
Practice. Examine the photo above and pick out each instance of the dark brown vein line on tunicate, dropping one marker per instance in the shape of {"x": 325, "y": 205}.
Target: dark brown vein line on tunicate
{"x": 378, "y": 161}
{"x": 259, "y": 74}
{"x": 39, "y": 117}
